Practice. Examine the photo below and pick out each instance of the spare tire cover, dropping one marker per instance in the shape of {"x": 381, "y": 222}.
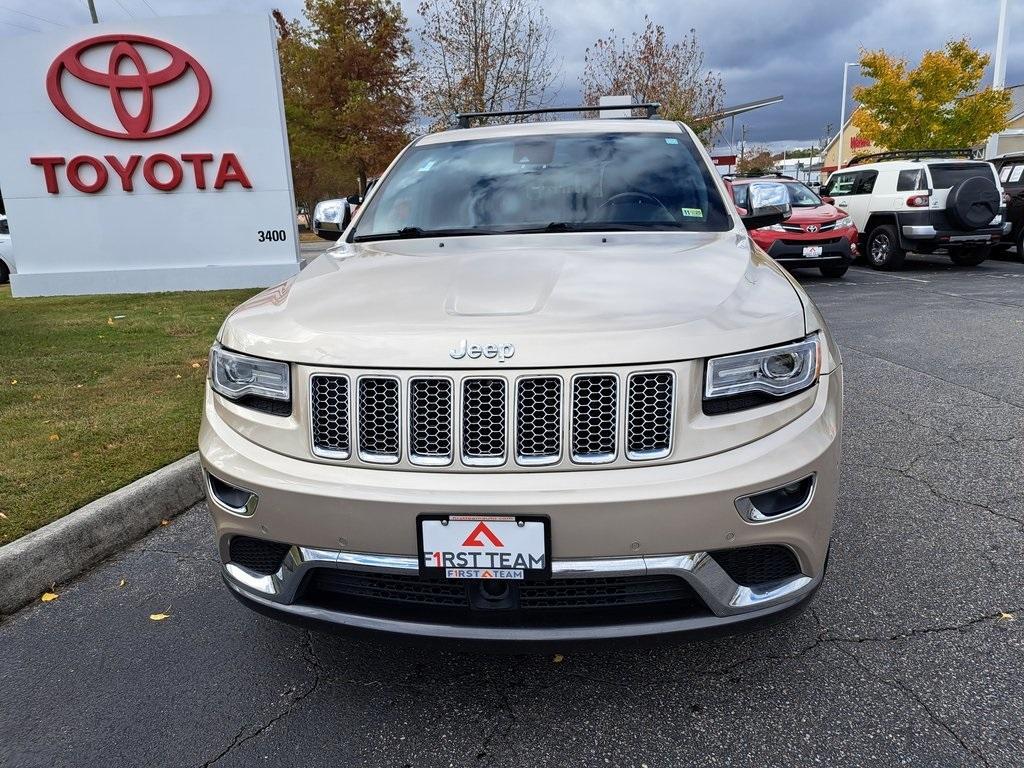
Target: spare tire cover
{"x": 974, "y": 202}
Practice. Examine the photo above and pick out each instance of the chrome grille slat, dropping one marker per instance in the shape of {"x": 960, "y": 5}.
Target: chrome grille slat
{"x": 484, "y": 421}
{"x": 539, "y": 420}
{"x": 595, "y": 406}
{"x": 330, "y": 423}
{"x": 649, "y": 415}
{"x": 379, "y": 419}
{"x": 430, "y": 421}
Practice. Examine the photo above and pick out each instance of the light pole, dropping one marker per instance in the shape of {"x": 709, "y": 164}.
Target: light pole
{"x": 998, "y": 73}
{"x": 842, "y": 111}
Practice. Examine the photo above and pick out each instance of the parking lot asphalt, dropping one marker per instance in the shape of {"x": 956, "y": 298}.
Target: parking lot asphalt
{"x": 911, "y": 653}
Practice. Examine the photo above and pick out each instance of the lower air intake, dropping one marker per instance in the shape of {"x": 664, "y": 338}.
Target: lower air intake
{"x": 754, "y": 566}
{"x": 257, "y": 555}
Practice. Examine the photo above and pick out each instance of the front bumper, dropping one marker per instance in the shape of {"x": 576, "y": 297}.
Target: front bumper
{"x": 644, "y": 521}
{"x": 835, "y": 250}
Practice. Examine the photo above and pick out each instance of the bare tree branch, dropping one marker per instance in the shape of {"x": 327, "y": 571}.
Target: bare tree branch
{"x": 648, "y": 68}
{"x": 482, "y": 56}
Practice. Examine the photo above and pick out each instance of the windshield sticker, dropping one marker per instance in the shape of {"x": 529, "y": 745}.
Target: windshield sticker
{"x": 427, "y": 165}
{"x": 692, "y": 213}
{"x": 671, "y": 141}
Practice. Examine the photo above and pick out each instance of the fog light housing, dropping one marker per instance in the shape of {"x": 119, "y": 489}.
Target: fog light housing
{"x": 777, "y": 503}
{"x": 237, "y": 501}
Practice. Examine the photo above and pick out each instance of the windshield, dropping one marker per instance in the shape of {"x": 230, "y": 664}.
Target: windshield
{"x": 580, "y": 182}
{"x": 799, "y": 195}
{"x": 948, "y": 175}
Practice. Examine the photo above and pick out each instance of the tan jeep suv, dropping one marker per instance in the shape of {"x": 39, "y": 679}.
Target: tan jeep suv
{"x": 545, "y": 388}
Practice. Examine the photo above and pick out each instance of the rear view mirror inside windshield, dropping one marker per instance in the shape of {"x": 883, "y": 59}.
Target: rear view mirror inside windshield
{"x": 534, "y": 152}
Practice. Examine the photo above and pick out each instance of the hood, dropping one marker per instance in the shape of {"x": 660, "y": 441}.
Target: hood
{"x": 574, "y": 299}
{"x": 816, "y": 215}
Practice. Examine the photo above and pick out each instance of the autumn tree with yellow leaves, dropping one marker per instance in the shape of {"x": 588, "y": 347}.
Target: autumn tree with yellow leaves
{"x": 936, "y": 105}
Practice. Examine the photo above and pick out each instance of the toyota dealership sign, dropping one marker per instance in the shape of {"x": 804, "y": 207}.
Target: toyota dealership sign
{"x": 147, "y": 156}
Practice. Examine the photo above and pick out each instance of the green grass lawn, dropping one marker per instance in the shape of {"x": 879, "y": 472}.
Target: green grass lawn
{"x": 97, "y": 391}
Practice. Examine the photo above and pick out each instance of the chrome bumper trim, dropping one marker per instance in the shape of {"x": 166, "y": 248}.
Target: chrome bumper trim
{"x": 927, "y": 230}
{"x": 723, "y": 596}
{"x": 919, "y": 230}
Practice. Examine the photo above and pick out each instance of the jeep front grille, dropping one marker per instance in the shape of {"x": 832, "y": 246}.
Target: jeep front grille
{"x": 649, "y": 427}
{"x": 430, "y": 421}
{"x": 379, "y": 419}
{"x": 595, "y": 405}
{"x": 529, "y": 420}
{"x": 483, "y": 422}
{"x": 539, "y": 420}
{"x": 330, "y": 416}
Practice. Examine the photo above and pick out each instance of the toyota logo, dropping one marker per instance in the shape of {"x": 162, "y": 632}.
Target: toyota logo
{"x": 812, "y": 227}
{"x": 127, "y": 73}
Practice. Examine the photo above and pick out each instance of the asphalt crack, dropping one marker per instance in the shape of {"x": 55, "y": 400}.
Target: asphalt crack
{"x": 905, "y": 473}
{"x": 956, "y": 384}
{"x": 899, "y": 685}
{"x": 310, "y": 656}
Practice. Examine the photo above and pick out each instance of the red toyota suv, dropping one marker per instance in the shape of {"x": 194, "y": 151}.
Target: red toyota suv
{"x": 817, "y": 234}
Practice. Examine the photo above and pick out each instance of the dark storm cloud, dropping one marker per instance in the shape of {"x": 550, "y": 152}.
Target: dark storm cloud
{"x": 761, "y": 48}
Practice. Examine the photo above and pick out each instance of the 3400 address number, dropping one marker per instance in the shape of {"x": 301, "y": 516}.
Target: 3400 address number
{"x": 271, "y": 235}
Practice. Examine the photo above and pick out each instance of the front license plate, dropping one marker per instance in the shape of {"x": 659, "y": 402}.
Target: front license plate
{"x": 812, "y": 250}
{"x": 484, "y": 546}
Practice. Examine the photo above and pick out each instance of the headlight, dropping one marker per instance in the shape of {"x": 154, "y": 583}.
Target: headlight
{"x": 236, "y": 376}
{"x": 844, "y": 223}
{"x": 772, "y": 228}
{"x": 778, "y": 371}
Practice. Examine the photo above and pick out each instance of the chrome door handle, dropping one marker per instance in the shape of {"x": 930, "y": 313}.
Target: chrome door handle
{"x": 842, "y": 203}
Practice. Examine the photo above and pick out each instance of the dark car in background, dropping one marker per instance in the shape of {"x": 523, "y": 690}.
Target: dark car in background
{"x": 1010, "y": 168}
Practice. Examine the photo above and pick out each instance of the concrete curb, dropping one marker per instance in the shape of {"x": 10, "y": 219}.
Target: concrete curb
{"x": 66, "y": 547}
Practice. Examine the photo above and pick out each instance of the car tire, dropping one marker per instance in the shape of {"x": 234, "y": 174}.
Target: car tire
{"x": 883, "y": 250}
{"x": 970, "y": 257}
{"x": 5, "y": 273}
{"x": 1020, "y": 245}
{"x": 834, "y": 270}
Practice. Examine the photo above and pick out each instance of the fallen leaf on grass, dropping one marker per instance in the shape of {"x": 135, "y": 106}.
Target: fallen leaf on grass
{"x": 14, "y": 381}
{"x": 558, "y": 658}
{"x": 178, "y": 376}
{"x": 159, "y": 616}
{"x": 49, "y": 597}
{"x": 3, "y": 516}
{"x": 54, "y": 437}
{"x": 195, "y": 365}
{"x": 110, "y": 321}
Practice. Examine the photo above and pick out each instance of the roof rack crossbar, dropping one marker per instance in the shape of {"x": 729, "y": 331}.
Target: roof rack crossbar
{"x": 464, "y": 117}
{"x": 967, "y": 153}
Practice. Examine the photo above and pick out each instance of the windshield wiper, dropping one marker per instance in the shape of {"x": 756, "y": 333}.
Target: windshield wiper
{"x": 408, "y": 233}
{"x": 594, "y": 226}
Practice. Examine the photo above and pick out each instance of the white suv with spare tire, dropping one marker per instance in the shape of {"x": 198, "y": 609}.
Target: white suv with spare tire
{"x": 922, "y": 204}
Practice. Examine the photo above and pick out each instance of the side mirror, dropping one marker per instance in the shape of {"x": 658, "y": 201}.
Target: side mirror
{"x": 768, "y": 204}
{"x": 330, "y": 218}
{"x": 828, "y": 200}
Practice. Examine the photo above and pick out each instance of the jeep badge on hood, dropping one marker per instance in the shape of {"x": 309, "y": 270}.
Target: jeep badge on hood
{"x": 500, "y": 351}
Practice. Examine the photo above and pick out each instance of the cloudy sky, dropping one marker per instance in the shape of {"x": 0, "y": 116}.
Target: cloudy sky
{"x": 794, "y": 47}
